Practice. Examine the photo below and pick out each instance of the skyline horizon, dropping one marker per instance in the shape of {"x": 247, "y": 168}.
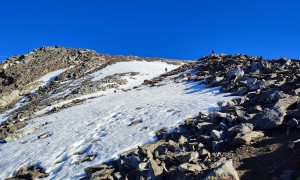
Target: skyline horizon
{"x": 3, "y": 57}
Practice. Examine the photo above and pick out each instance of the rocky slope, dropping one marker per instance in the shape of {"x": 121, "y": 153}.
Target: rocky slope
{"x": 255, "y": 135}
{"x": 26, "y": 89}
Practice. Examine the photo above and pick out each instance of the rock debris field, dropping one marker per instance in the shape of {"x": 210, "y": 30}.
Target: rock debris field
{"x": 96, "y": 116}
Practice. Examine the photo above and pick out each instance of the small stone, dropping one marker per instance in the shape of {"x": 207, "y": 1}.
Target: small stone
{"x": 135, "y": 122}
{"x": 117, "y": 175}
{"x": 86, "y": 158}
{"x": 182, "y": 140}
{"x": 203, "y": 153}
{"x": 216, "y": 135}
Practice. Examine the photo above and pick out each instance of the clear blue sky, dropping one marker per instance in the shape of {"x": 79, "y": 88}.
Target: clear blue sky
{"x": 157, "y": 28}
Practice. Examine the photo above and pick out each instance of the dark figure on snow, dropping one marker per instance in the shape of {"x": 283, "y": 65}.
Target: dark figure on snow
{"x": 166, "y": 69}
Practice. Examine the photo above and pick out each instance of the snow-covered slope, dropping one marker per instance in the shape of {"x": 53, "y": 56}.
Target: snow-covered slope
{"x": 101, "y": 127}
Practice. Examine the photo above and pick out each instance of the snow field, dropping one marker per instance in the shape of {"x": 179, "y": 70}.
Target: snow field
{"x": 101, "y": 126}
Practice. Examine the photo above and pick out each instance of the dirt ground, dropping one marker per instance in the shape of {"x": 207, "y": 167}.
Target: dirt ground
{"x": 269, "y": 157}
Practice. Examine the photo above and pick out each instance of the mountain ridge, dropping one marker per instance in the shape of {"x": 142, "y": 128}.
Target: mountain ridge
{"x": 226, "y": 107}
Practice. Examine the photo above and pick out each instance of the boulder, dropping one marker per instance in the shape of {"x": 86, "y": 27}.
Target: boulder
{"x": 250, "y": 81}
{"x": 155, "y": 170}
{"x": 286, "y": 102}
{"x": 185, "y": 157}
{"x": 238, "y": 76}
{"x": 260, "y": 84}
{"x": 254, "y": 109}
{"x": 92, "y": 169}
{"x": 31, "y": 172}
{"x": 103, "y": 174}
{"x": 243, "y": 128}
{"x": 204, "y": 127}
{"x": 243, "y": 116}
{"x": 225, "y": 171}
{"x": 256, "y": 67}
{"x": 219, "y": 115}
{"x": 215, "y": 81}
{"x": 188, "y": 167}
{"x": 231, "y": 73}
{"x": 86, "y": 158}
{"x": 246, "y": 138}
{"x": 269, "y": 118}
{"x": 270, "y": 96}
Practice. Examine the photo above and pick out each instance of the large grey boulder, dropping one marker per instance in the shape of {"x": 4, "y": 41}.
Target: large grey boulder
{"x": 270, "y": 96}
{"x": 269, "y": 118}
{"x": 237, "y": 74}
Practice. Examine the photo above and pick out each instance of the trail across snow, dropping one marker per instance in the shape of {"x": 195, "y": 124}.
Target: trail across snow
{"x": 100, "y": 127}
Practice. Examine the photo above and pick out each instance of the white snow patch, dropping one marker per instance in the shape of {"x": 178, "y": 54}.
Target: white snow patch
{"x": 100, "y": 127}
{"x": 148, "y": 70}
{"x": 49, "y": 77}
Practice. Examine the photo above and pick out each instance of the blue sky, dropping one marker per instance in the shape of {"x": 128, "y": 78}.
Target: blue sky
{"x": 156, "y": 28}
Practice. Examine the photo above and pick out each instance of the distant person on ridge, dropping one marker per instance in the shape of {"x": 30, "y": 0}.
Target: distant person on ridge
{"x": 213, "y": 52}
{"x": 166, "y": 69}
